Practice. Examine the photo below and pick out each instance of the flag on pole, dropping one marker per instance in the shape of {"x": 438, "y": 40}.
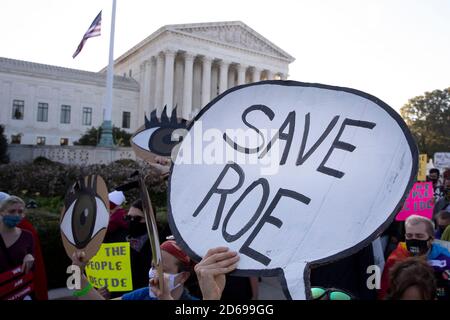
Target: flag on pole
{"x": 93, "y": 31}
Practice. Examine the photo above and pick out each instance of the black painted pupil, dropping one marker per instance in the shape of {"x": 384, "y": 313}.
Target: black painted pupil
{"x": 161, "y": 142}
{"x": 83, "y": 219}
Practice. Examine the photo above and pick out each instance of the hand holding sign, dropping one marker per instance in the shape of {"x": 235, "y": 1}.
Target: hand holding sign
{"x": 212, "y": 269}
{"x": 293, "y": 175}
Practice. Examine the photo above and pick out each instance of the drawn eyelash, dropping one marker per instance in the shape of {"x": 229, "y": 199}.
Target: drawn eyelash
{"x": 156, "y": 135}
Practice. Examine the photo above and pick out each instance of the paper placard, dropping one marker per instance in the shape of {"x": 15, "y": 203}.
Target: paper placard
{"x": 111, "y": 267}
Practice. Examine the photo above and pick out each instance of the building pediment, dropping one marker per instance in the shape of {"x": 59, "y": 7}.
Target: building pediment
{"x": 236, "y": 34}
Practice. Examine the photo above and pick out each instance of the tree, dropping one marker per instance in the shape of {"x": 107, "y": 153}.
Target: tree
{"x": 428, "y": 118}
{"x": 92, "y": 137}
{"x": 4, "y": 158}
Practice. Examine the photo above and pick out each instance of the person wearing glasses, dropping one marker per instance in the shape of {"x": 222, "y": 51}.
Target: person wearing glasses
{"x": 16, "y": 251}
{"x": 117, "y": 226}
{"x": 131, "y": 229}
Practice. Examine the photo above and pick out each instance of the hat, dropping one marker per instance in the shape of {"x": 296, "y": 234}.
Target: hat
{"x": 116, "y": 197}
{"x": 3, "y": 196}
{"x": 170, "y": 246}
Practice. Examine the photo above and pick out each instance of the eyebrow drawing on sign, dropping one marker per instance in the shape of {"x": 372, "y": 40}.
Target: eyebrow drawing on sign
{"x": 342, "y": 163}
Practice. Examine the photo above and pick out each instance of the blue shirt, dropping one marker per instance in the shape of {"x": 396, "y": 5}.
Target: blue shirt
{"x": 143, "y": 294}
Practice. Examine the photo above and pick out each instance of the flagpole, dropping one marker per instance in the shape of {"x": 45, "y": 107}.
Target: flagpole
{"x": 106, "y": 139}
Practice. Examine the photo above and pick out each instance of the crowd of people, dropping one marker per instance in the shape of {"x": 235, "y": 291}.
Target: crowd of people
{"x": 413, "y": 255}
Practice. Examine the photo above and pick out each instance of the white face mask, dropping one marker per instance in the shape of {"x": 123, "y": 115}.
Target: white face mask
{"x": 152, "y": 273}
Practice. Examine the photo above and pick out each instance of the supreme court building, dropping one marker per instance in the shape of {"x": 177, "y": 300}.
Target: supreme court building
{"x": 183, "y": 66}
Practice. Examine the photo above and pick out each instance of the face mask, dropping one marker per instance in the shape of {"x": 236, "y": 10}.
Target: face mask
{"x": 152, "y": 273}
{"x": 137, "y": 229}
{"x": 417, "y": 247}
{"x": 11, "y": 221}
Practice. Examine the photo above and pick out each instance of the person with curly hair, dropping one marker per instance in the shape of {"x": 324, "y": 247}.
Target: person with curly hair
{"x": 412, "y": 279}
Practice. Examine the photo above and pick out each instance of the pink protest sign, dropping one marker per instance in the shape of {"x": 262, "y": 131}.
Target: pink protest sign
{"x": 419, "y": 201}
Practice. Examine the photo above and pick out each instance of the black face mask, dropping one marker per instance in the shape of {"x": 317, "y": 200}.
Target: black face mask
{"x": 417, "y": 247}
{"x": 136, "y": 228}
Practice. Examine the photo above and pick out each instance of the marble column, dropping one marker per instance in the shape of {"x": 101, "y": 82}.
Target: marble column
{"x": 206, "y": 80}
{"x": 269, "y": 74}
{"x": 187, "y": 90}
{"x": 148, "y": 69}
{"x": 283, "y": 76}
{"x": 223, "y": 81}
{"x": 142, "y": 78}
{"x": 256, "y": 75}
{"x": 169, "y": 68}
{"x": 158, "y": 103}
{"x": 241, "y": 73}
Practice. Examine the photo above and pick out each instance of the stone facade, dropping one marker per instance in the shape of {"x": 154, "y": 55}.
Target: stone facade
{"x": 186, "y": 66}
{"x": 183, "y": 66}
{"x": 42, "y": 91}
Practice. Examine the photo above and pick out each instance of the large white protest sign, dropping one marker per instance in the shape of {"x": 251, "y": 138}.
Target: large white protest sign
{"x": 302, "y": 174}
{"x": 442, "y": 160}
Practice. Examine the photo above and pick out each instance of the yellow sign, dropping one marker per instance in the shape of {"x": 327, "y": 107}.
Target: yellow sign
{"x": 111, "y": 267}
{"x": 422, "y": 173}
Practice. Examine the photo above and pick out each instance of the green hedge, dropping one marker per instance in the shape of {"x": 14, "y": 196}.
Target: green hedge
{"x": 51, "y": 179}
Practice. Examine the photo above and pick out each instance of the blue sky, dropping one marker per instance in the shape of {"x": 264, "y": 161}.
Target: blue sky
{"x": 393, "y": 49}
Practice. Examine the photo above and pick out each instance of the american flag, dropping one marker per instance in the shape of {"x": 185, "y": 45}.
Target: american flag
{"x": 93, "y": 31}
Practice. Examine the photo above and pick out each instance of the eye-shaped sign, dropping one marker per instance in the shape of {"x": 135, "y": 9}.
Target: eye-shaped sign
{"x": 85, "y": 216}
{"x": 156, "y": 137}
{"x": 291, "y": 175}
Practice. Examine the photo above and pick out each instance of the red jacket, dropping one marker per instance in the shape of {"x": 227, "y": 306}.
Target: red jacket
{"x": 40, "y": 278}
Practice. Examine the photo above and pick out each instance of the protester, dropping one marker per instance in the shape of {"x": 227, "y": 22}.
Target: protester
{"x": 433, "y": 177}
{"x": 419, "y": 235}
{"x": 177, "y": 265}
{"x": 412, "y": 279}
{"x": 16, "y": 245}
{"x": 442, "y": 222}
{"x": 136, "y": 234}
{"x": 117, "y": 226}
{"x": 177, "y": 268}
{"x": 40, "y": 276}
{"x": 444, "y": 202}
